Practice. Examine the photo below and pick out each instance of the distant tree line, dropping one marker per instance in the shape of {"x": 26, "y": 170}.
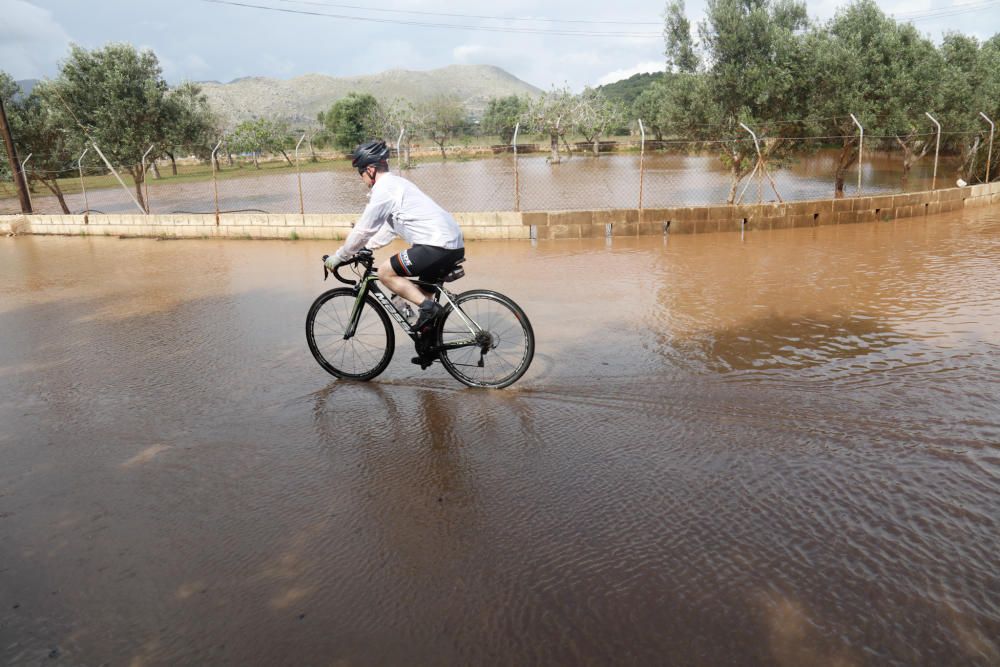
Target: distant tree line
{"x": 759, "y": 64}
{"x": 113, "y": 98}
{"x": 762, "y": 64}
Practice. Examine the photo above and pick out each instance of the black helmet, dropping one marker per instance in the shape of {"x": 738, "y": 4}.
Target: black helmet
{"x": 370, "y": 152}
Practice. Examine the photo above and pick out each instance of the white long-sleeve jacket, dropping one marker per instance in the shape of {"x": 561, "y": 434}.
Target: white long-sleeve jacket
{"x": 397, "y": 207}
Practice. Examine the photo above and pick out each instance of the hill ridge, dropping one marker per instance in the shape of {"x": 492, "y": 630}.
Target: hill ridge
{"x": 298, "y": 99}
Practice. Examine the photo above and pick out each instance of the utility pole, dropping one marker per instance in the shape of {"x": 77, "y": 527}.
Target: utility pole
{"x": 15, "y": 165}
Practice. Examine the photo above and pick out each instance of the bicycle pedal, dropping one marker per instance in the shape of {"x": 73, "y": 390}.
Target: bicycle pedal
{"x": 423, "y": 362}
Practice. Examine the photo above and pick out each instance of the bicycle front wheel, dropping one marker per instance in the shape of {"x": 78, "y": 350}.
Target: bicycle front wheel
{"x": 360, "y": 357}
{"x": 504, "y": 344}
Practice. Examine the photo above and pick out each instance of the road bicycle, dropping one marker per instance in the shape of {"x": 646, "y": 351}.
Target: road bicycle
{"x": 481, "y": 337}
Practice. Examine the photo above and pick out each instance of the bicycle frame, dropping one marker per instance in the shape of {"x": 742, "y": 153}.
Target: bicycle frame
{"x": 369, "y": 285}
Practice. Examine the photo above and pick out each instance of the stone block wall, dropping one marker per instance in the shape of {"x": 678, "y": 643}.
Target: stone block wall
{"x": 540, "y": 225}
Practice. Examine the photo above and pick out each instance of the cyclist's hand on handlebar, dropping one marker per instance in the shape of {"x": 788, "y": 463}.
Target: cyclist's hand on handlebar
{"x": 333, "y": 261}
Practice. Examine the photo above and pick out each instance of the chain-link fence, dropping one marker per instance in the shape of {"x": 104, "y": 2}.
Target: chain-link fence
{"x": 628, "y": 173}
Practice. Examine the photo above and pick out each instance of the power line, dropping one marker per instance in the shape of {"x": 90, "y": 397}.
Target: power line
{"x": 452, "y": 26}
{"x": 945, "y": 12}
{"x": 320, "y": 3}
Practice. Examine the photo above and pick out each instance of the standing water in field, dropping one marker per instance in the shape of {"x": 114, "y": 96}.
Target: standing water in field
{"x": 781, "y": 448}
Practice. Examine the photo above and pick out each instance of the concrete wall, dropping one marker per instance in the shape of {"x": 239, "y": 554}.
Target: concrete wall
{"x": 701, "y": 219}
{"x": 526, "y": 225}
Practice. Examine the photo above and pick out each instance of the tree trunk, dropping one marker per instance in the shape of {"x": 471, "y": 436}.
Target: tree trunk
{"x": 255, "y": 162}
{"x": 597, "y": 146}
{"x": 138, "y": 176}
{"x": 286, "y": 157}
{"x": 441, "y": 146}
{"x": 173, "y": 163}
{"x": 57, "y": 191}
{"x": 230, "y": 156}
{"x": 910, "y": 158}
{"x": 967, "y": 169}
{"x": 156, "y": 170}
{"x": 844, "y": 162}
{"x": 554, "y": 146}
{"x": 737, "y": 174}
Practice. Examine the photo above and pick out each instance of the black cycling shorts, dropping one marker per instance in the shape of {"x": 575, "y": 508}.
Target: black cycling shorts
{"x": 426, "y": 262}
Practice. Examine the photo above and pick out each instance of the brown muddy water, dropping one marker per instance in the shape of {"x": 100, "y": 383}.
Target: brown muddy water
{"x": 782, "y": 448}
{"x": 580, "y": 181}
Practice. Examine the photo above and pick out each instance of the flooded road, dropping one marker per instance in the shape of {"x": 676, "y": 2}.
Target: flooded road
{"x": 776, "y": 449}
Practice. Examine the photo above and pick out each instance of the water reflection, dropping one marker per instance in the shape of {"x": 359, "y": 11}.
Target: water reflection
{"x": 790, "y": 344}
{"x": 774, "y": 450}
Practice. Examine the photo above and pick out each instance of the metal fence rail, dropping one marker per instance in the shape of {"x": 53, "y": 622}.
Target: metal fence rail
{"x": 629, "y": 173}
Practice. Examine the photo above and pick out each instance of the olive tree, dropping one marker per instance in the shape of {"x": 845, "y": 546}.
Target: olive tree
{"x": 502, "y": 116}
{"x": 262, "y": 135}
{"x": 441, "y": 119}
{"x": 916, "y": 90}
{"x": 596, "y": 115}
{"x": 970, "y": 85}
{"x": 37, "y": 131}
{"x": 854, "y": 73}
{"x": 191, "y": 124}
{"x": 116, "y": 96}
{"x": 350, "y": 120}
{"x": 552, "y": 114}
{"x": 759, "y": 64}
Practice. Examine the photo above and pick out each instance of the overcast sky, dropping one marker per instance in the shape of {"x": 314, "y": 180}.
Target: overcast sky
{"x": 221, "y": 40}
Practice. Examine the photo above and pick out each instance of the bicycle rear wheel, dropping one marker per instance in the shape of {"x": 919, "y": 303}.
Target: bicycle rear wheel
{"x": 360, "y": 357}
{"x": 505, "y": 346}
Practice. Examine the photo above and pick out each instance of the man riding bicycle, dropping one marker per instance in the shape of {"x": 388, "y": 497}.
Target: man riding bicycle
{"x": 397, "y": 207}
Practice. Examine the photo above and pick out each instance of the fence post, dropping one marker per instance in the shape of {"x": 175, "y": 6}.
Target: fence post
{"x": 298, "y": 173}
{"x": 399, "y": 156}
{"x": 86, "y": 204}
{"x": 517, "y": 180}
{"x": 642, "y": 166}
{"x": 145, "y": 183}
{"x": 989, "y": 154}
{"x": 120, "y": 181}
{"x": 27, "y": 181}
{"x": 936, "y": 149}
{"x": 215, "y": 182}
{"x": 861, "y": 144}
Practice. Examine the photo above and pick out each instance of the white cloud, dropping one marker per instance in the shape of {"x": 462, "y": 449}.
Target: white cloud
{"x": 581, "y": 58}
{"x": 619, "y": 74}
{"x": 31, "y": 40}
{"x": 463, "y": 52}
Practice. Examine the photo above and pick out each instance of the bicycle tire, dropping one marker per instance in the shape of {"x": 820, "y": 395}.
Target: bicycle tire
{"x": 364, "y": 355}
{"x": 511, "y": 346}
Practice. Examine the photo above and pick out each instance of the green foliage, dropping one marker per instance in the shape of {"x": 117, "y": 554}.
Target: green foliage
{"x": 552, "y": 114}
{"x": 595, "y": 115}
{"x": 349, "y": 121}
{"x": 680, "y": 50}
{"x": 38, "y": 133}
{"x": 8, "y": 89}
{"x": 191, "y": 124}
{"x": 259, "y": 136}
{"x": 628, "y": 90}
{"x": 117, "y": 97}
{"x": 502, "y": 116}
{"x": 442, "y": 118}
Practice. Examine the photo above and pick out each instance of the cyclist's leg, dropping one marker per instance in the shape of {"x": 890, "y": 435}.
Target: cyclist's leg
{"x": 399, "y": 284}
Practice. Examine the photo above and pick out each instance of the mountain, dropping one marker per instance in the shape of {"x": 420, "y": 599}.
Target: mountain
{"x": 298, "y": 100}
{"x": 628, "y": 89}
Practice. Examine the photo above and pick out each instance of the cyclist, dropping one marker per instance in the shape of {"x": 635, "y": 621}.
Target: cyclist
{"x": 397, "y": 207}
